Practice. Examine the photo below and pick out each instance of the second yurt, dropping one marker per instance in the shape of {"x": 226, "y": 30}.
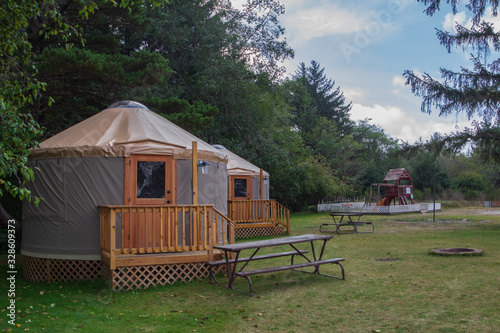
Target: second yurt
{"x": 246, "y": 180}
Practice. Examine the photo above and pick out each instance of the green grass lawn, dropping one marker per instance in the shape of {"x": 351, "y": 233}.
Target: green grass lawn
{"x": 392, "y": 284}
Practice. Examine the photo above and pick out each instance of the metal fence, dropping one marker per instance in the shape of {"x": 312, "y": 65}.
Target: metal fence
{"x": 360, "y": 207}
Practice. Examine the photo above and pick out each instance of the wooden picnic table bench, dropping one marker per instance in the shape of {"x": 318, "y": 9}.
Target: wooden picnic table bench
{"x": 234, "y": 271}
{"x": 212, "y": 264}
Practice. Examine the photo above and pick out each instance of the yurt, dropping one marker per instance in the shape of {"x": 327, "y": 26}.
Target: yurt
{"x": 249, "y": 205}
{"x": 103, "y": 170}
{"x": 246, "y": 180}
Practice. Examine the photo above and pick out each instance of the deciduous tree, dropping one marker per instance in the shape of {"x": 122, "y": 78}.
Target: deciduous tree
{"x": 19, "y": 86}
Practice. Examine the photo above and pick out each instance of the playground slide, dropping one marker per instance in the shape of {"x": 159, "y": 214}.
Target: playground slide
{"x": 382, "y": 202}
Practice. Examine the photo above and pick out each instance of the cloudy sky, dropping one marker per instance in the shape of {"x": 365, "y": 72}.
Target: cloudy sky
{"x": 365, "y": 46}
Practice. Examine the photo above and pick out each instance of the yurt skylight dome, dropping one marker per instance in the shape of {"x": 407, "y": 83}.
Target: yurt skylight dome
{"x": 128, "y": 104}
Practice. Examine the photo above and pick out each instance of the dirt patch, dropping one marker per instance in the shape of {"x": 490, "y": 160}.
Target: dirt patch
{"x": 457, "y": 251}
{"x": 489, "y": 212}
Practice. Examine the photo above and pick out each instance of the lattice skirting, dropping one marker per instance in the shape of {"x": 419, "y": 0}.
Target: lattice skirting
{"x": 256, "y": 232}
{"x": 43, "y": 269}
{"x": 129, "y": 278}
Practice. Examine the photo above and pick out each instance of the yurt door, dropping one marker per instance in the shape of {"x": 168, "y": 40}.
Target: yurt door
{"x": 150, "y": 180}
{"x": 241, "y": 188}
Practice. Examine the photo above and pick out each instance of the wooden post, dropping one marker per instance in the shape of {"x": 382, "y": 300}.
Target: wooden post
{"x": 261, "y": 184}
{"x": 112, "y": 241}
{"x": 209, "y": 213}
{"x": 378, "y": 193}
{"x": 261, "y": 204}
{"x": 195, "y": 172}
{"x": 193, "y": 217}
{"x": 287, "y": 221}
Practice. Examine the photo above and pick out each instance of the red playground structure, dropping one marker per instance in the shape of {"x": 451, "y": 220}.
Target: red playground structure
{"x": 397, "y": 187}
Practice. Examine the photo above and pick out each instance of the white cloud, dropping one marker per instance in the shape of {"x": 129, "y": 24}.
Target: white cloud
{"x": 461, "y": 18}
{"x": 401, "y": 125}
{"x": 398, "y": 81}
{"x": 451, "y": 20}
{"x": 352, "y": 94}
{"x": 326, "y": 19}
{"x": 490, "y": 18}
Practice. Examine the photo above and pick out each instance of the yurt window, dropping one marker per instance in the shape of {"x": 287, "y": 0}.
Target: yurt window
{"x": 241, "y": 188}
{"x": 150, "y": 180}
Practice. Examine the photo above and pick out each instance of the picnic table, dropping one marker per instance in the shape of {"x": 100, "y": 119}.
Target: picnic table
{"x": 351, "y": 223}
{"x": 236, "y": 267}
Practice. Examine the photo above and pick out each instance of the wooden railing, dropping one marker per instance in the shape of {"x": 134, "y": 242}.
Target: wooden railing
{"x": 243, "y": 212}
{"x": 157, "y": 229}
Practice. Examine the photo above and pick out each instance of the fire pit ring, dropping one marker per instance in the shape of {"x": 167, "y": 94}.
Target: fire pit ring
{"x": 457, "y": 251}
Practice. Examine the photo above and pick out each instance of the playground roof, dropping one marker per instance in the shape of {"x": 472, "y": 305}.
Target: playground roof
{"x": 397, "y": 174}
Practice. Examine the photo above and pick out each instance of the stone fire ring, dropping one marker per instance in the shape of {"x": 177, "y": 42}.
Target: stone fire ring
{"x": 457, "y": 251}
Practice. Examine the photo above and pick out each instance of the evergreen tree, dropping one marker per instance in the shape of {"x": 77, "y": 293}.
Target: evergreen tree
{"x": 328, "y": 101}
{"x": 474, "y": 91}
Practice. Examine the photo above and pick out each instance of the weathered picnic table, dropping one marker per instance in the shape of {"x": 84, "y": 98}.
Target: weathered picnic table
{"x": 236, "y": 267}
{"x": 351, "y": 222}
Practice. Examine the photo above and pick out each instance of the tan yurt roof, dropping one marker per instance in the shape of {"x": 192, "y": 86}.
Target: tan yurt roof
{"x": 122, "y": 129}
{"x": 238, "y": 166}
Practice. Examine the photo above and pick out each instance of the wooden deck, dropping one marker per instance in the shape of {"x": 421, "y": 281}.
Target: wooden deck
{"x": 131, "y": 260}
{"x": 258, "y": 214}
{"x": 143, "y": 246}
{"x": 159, "y": 235}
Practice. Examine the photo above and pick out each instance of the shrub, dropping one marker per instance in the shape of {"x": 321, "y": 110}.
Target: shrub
{"x": 417, "y": 195}
{"x": 469, "y": 181}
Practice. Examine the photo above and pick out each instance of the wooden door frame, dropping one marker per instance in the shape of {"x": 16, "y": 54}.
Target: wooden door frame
{"x": 130, "y": 191}
{"x": 249, "y": 188}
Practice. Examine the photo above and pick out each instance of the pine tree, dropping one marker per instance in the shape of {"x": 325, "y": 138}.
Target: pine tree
{"x": 474, "y": 91}
{"x": 329, "y": 102}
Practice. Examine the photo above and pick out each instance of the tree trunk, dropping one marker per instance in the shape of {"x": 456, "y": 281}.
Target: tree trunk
{"x": 6, "y": 220}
